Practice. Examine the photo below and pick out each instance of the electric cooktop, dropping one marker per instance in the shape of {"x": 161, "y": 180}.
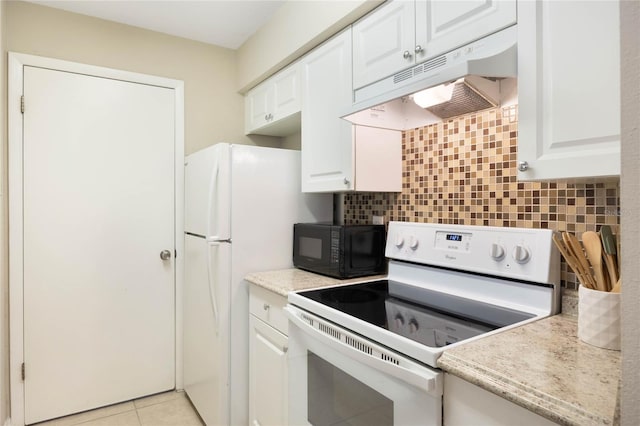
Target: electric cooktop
{"x": 432, "y": 318}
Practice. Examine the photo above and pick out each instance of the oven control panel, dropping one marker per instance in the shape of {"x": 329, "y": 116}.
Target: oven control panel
{"x": 508, "y": 252}
{"x": 453, "y": 241}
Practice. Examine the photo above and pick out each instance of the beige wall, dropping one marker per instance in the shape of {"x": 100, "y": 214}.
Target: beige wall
{"x": 214, "y": 111}
{"x": 630, "y": 220}
{"x": 295, "y": 28}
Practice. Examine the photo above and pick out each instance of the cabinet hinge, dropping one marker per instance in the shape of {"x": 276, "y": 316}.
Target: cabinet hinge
{"x": 22, "y": 104}
{"x": 23, "y": 374}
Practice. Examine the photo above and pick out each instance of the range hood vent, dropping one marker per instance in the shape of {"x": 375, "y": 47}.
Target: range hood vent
{"x": 466, "y": 98}
{"x": 420, "y": 69}
{"x": 491, "y": 58}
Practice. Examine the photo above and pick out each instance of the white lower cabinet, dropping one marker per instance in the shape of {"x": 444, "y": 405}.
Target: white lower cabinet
{"x": 268, "y": 344}
{"x": 466, "y": 404}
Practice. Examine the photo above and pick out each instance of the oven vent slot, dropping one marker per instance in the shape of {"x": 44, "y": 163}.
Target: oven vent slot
{"x": 390, "y": 359}
{"x": 308, "y": 319}
{"x": 356, "y": 342}
{"x": 330, "y": 331}
{"x": 362, "y": 347}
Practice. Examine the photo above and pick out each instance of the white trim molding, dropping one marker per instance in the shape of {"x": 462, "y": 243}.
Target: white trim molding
{"x": 16, "y": 63}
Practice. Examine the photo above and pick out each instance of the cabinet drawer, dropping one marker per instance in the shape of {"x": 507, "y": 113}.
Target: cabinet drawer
{"x": 268, "y": 306}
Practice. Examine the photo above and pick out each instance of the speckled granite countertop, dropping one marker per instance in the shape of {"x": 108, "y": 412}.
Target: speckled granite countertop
{"x": 543, "y": 367}
{"x": 285, "y": 280}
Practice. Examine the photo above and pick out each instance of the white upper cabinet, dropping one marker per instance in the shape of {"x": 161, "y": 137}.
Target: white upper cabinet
{"x": 568, "y": 89}
{"x": 403, "y": 33}
{"x": 337, "y": 156}
{"x": 444, "y": 25}
{"x": 383, "y": 42}
{"x": 273, "y": 107}
{"x": 326, "y": 91}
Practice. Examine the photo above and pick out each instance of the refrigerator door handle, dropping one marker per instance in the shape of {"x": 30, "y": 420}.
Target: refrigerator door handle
{"x": 212, "y": 292}
{"x": 212, "y": 190}
{"x": 215, "y": 240}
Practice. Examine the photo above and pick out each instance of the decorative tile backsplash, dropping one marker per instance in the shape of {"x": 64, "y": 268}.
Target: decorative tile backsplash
{"x": 463, "y": 171}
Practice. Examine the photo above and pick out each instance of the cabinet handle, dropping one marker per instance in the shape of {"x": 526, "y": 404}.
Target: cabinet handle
{"x": 406, "y": 54}
{"x": 418, "y": 49}
{"x": 346, "y": 181}
{"x": 265, "y": 307}
{"x": 266, "y": 117}
{"x": 523, "y": 166}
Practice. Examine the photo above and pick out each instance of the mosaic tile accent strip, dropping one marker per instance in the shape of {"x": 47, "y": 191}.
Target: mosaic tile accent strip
{"x": 463, "y": 171}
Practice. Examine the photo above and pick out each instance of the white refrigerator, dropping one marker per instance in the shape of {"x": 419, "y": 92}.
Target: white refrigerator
{"x": 240, "y": 206}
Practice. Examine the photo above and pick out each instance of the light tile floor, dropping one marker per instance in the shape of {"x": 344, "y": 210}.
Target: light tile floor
{"x": 164, "y": 409}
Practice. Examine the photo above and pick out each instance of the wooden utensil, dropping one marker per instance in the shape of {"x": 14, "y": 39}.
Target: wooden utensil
{"x": 574, "y": 246}
{"x": 593, "y": 248}
{"x": 571, "y": 261}
{"x": 610, "y": 252}
{"x": 616, "y": 288}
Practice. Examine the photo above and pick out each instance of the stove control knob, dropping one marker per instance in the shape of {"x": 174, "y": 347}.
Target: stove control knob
{"x": 497, "y": 251}
{"x": 399, "y": 241}
{"x": 413, "y": 325}
{"x": 521, "y": 254}
{"x": 413, "y": 243}
{"x": 399, "y": 321}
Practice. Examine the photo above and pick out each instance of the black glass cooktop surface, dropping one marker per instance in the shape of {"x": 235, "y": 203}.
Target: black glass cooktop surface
{"x": 432, "y": 318}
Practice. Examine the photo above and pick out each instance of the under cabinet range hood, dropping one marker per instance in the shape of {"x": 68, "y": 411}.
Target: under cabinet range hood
{"x": 470, "y": 78}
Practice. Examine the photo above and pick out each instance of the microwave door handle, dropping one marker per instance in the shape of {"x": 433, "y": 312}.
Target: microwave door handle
{"x": 424, "y": 380}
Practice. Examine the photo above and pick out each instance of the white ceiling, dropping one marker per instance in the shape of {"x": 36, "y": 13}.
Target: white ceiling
{"x": 226, "y": 23}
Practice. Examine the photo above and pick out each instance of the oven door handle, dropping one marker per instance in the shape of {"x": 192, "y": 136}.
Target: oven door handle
{"x": 425, "y": 379}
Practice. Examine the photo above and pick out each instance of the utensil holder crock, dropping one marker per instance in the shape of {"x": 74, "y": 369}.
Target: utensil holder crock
{"x": 599, "y": 318}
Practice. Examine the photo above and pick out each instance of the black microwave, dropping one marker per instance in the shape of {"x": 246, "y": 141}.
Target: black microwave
{"x": 340, "y": 251}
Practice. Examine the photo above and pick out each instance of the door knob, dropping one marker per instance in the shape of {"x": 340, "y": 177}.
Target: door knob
{"x": 165, "y": 255}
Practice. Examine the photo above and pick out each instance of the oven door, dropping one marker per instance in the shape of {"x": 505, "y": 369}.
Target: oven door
{"x": 337, "y": 377}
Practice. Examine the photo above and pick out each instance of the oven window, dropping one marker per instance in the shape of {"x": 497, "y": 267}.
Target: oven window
{"x": 334, "y": 397}
{"x": 311, "y": 247}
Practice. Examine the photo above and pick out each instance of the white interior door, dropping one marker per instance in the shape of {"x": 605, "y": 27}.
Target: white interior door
{"x": 98, "y": 194}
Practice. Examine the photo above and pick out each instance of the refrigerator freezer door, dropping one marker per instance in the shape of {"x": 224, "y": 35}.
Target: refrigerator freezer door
{"x": 206, "y": 334}
{"x": 207, "y": 192}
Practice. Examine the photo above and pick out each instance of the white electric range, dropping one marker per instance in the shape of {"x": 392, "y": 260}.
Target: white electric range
{"x": 366, "y": 353}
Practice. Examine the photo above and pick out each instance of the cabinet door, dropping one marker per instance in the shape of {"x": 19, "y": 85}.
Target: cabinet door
{"x": 380, "y": 41}
{"x": 327, "y": 158}
{"x": 467, "y": 404}
{"x": 569, "y": 89}
{"x": 443, "y": 25}
{"x": 286, "y": 93}
{"x": 268, "y": 394}
{"x": 258, "y": 105}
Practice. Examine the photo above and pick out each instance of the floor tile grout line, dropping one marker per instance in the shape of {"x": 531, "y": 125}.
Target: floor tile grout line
{"x": 138, "y": 415}
{"x": 106, "y": 417}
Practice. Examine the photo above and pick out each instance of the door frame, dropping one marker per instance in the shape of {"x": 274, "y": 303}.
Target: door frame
{"x": 16, "y": 64}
